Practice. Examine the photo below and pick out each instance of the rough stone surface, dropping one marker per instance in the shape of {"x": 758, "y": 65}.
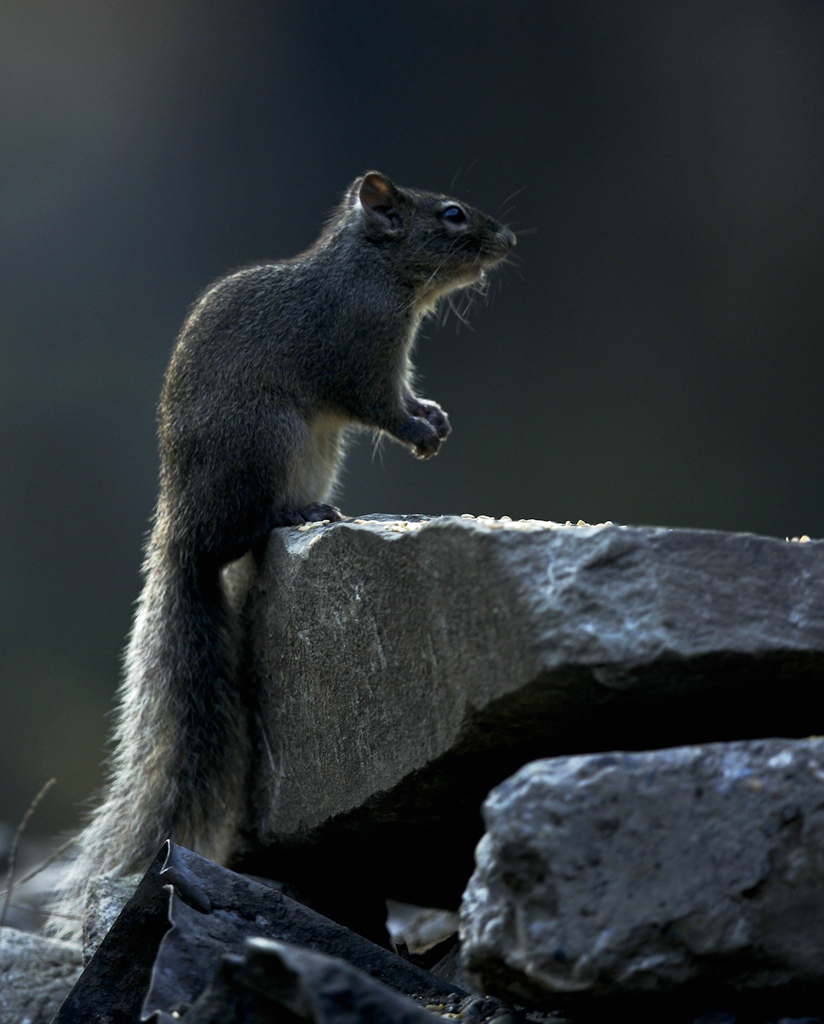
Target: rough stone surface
{"x": 694, "y": 868}
{"x": 106, "y": 896}
{"x": 36, "y": 975}
{"x": 407, "y": 666}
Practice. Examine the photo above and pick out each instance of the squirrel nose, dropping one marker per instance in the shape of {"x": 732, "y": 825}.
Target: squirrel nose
{"x": 508, "y": 237}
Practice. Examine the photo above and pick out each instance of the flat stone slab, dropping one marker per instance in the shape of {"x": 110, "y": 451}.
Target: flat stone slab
{"x": 405, "y": 666}
{"x": 694, "y": 869}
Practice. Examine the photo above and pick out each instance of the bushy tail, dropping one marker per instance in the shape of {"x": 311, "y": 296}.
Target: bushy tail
{"x": 179, "y": 764}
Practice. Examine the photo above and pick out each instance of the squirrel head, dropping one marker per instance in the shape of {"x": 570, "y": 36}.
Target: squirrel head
{"x": 436, "y": 243}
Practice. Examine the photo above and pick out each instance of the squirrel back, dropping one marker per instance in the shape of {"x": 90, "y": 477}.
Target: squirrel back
{"x": 273, "y": 366}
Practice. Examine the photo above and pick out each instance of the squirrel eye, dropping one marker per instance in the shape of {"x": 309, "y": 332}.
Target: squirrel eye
{"x": 453, "y": 214}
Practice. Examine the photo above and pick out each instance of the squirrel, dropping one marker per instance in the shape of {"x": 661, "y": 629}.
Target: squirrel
{"x": 273, "y": 366}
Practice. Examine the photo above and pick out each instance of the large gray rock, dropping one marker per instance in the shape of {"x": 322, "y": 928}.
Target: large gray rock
{"x": 693, "y": 869}
{"x": 407, "y": 666}
{"x": 36, "y": 975}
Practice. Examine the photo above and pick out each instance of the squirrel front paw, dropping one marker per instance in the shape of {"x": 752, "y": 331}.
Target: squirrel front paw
{"x": 433, "y": 414}
{"x": 423, "y": 427}
{"x": 428, "y": 445}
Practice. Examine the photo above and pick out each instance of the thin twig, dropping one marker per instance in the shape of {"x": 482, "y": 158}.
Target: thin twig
{"x": 21, "y": 828}
{"x": 52, "y": 857}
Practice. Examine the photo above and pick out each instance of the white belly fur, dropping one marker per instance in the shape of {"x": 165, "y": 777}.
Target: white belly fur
{"x": 315, "y": 472}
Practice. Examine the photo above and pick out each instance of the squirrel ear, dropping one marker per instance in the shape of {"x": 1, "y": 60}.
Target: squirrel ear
{"x": 379, "y": 198}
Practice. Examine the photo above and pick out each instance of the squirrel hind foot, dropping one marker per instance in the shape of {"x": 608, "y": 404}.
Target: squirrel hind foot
{"x": 314, "y": 513}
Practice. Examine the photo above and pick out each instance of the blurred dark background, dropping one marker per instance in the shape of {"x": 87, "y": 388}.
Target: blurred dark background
{"x": 653, "y": 355}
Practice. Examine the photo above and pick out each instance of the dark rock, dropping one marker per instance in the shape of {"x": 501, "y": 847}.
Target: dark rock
{"x": 800, "y": 1020}
{"x": 273, "y": 982}
{"x": 114, "y": 983}
{"x": 186, "y": 914}
{"x": 691, "y": 870}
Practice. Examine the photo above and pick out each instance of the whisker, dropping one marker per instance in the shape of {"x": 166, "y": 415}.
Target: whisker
{"x": 460, "y": 172}
{"x": 509, "y": 199}
{"x": 460, "y": 317}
